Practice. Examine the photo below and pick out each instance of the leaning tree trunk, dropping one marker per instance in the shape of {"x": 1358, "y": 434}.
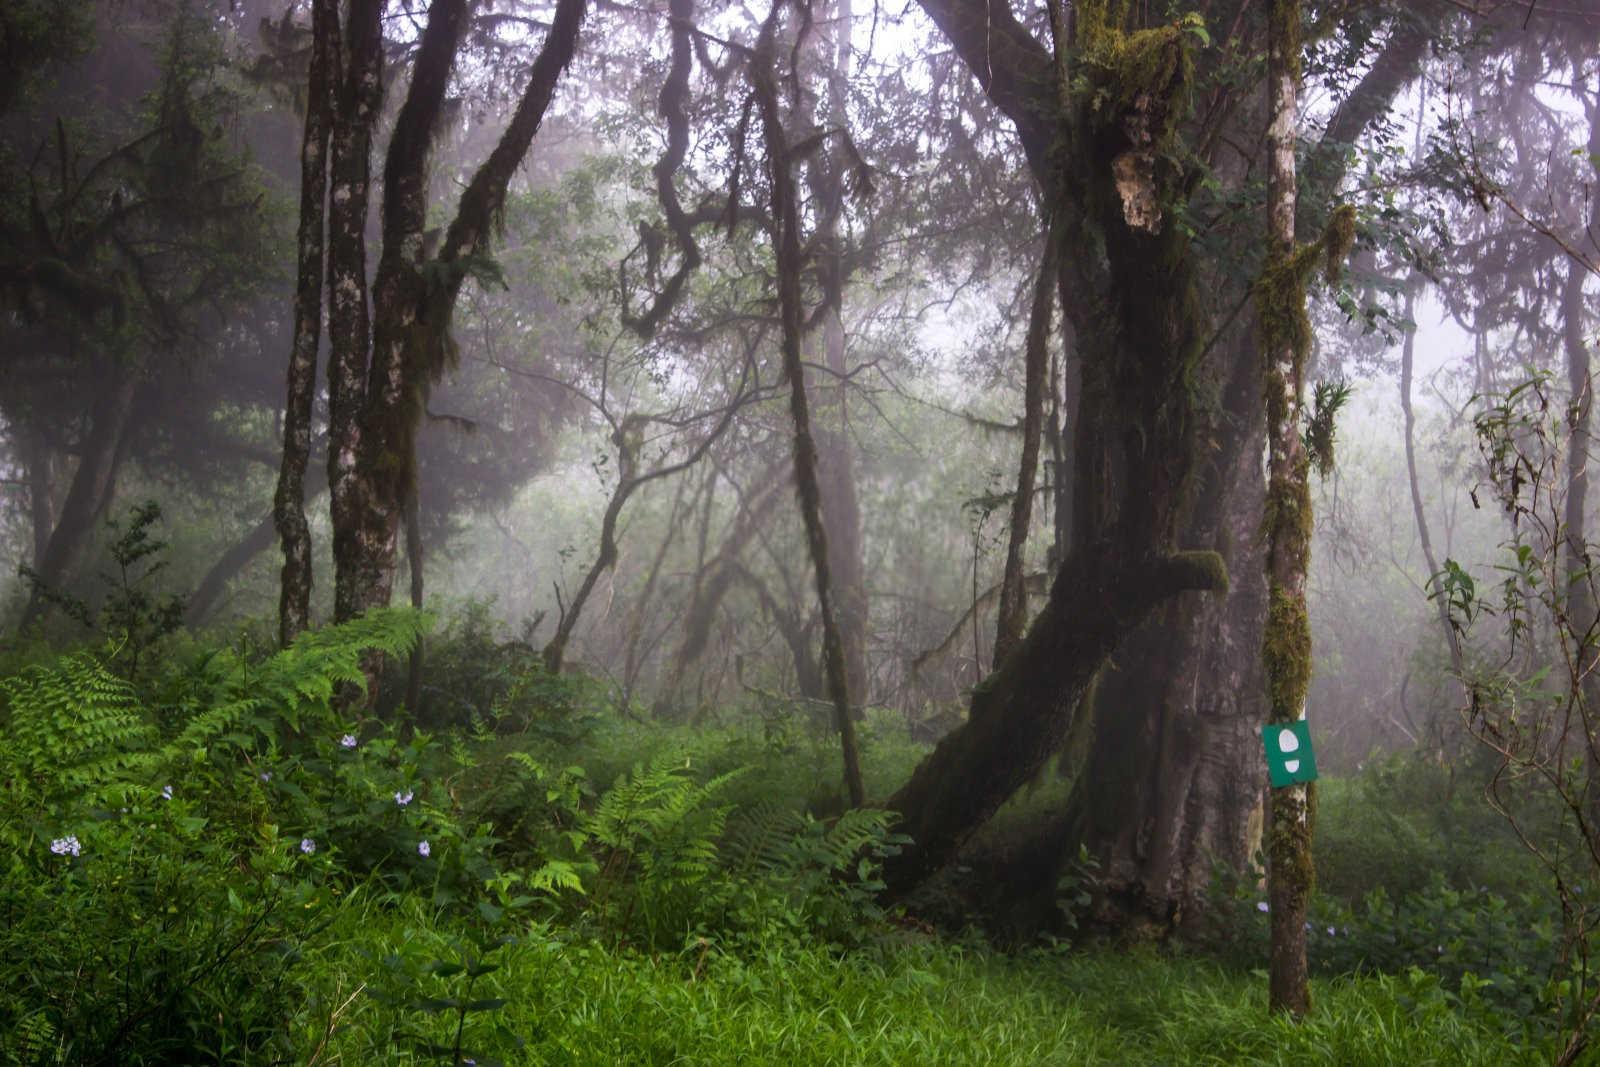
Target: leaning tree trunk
{"x": 91, "y": 488}
{"x": 790, "y": 263}
{"x": 1136, "y": 452}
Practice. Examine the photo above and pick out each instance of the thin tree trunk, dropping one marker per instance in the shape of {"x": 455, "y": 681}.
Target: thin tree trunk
{"x": 1287, "y": 651}
{"x": 41, "y": 493}
{"x": 288, "y": 510}
{"x": 414, "y": 558}
{"x": 1407, "y": 365}
{"x": 790, "y": 262}
{"x": 1013, "y": 614}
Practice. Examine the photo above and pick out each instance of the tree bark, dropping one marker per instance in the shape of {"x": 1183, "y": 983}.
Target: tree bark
{"x": 373, "y": 432}
{"x": 790, "y": 263}
{"x": 1286, "y": 342}
{"x": 357, "y": 101}
{"x": 289, "y": 513}
{"x": 1013, "y": 614}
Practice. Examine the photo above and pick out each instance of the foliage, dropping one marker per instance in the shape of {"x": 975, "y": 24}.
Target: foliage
{"x": 131, "y": 614}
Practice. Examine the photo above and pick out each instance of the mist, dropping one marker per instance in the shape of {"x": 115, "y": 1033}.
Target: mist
{"x": 965, "y": 438}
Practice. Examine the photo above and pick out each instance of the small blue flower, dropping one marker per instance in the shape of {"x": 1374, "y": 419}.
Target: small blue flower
{"x": 1262, "y": 905}
{"x": 348, "y": 741}
{"x": 1331, "y": 932}
{"x": 424, "y": 849}
{"x": 166, "y": 792}
{"x": 403, "y": 798}
{"x": 307, "y": 845}
{"x": 266, "y": 776}
{"x": 66, "y": 846}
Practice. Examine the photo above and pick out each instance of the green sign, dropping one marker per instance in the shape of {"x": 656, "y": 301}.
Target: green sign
{"x": 1289, "y": 756}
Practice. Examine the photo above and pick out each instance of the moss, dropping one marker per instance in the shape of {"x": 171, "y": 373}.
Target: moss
{"x": 1286, "y": 652}
{"x": 1197, "y": 569}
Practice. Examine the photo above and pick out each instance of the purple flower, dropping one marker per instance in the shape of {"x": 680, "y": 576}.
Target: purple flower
{"x": 266, "y": 776}
{"x": 66, "y": 846}
{"x": 166, "y": 792}
{"x": 1330, "y": 931}
{"x": 424, "y": 849}
{"x": 1262, "y": 905}
{"x": 348, "y": 741}
{"x": 307, "y": 845}
{"x": 403, "y": 798}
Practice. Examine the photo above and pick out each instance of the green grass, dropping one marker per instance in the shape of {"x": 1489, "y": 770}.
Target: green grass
{"x": 909, "y": 1000}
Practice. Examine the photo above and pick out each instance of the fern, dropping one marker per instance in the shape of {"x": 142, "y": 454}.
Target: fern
{"x": 662, "y": 817}
{"x": 251, "y": 699}
{"x": 781, "y": 843}
{"x": 74, "y": 728}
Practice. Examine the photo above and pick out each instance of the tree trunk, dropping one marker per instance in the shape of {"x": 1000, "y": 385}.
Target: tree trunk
{"x": 289, "y": 512}
{"x": 238, "y": 556}
{"x": 373, "y": 426}
{"x": 790, "y": 263}
{"x": 93, "y": 483}
{"x": 841, "y": 501}
{"x": 1407, "y": 364}
{"x": 1286, "y": 344}
{"x": 358, "y": 97}
{"x": 1177, "y": 715}
{"x": 1013, "y": 614}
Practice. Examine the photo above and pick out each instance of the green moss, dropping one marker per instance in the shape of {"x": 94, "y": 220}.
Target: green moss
{"x": 1286, "y": 652}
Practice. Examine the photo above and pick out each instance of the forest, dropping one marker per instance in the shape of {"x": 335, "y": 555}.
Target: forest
{"x": 672, "y": 532}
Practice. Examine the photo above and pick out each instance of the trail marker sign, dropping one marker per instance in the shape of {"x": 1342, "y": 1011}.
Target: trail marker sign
{"x": 1289, "y": 756}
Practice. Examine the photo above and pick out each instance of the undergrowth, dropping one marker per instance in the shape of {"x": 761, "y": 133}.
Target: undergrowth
{"x": 225, "y": 859}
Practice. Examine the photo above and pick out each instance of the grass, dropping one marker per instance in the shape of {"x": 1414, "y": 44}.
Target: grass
{"x": 908, "y": 999}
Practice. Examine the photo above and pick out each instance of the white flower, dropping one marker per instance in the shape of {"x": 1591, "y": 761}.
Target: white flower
{"x": 1330, "y": 932}
{"x": 1262, "y": 905}
{"x": 66, "y": 846}
{"x": 403, "y": 798}
{"x": 307, "y": 845}
{"x": 166, "y": 792}
{"x": 266, "y": 776}
{"x": 348, "y": 740}
{"x": 424, "y": 849}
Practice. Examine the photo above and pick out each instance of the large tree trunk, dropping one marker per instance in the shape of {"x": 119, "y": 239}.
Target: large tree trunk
{"x": 357, "y": 100}
{"x": 1170, "y": 780}
{"x": 289, "y": 511}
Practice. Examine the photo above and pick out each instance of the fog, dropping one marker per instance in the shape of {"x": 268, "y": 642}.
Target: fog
{"x": 911, "y": 372}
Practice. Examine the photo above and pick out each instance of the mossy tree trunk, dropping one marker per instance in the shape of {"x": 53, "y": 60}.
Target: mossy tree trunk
{"x": 384, "y": 355}
{"x": 289, "y": 501}
{"x": 790, "y": 263}
{"x": 1286, "y": 342}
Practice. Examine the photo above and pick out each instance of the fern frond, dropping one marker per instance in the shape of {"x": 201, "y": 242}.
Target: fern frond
{"x": 75, "y": 726}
